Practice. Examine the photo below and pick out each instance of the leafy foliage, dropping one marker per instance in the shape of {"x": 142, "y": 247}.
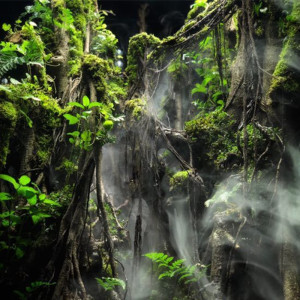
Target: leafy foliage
{"x": 36, "y": 200}
{"x": 29, "y": 52}
{"x": 168, "y": 268}
{"x": 109, "y": 283}
{"x": 86, "y": 135}
{"x": 105, "y": 43}
{"x": 211, "y": 70}
{"x": 26, "y": 201}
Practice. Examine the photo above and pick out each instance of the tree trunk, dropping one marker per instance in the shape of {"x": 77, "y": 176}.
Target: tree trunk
{"x": 69, "y": 281}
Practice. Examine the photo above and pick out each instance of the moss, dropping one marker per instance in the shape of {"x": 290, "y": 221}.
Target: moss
{"x": 116, "y": 89}
{"x": 8, "y": 120}
{"x": 58, "y": 3}
{"x": 179, "y": 179}
{"x": 43, "y": 148}
{"x": 137, "y": 107}
{"x": 194, "y": 12}
{"x": 77, "y": 6}
{"x": 36, "y": 107}
{"x": 30, "y": 96}
{"x": 8, "y": 112}
{"x": 77, "y": 33}
{"x": 210, "y": 122}
{"x": 99, "y": 70}
{"x": 259, "y": 31}
{"x": 286, "y": 79}
{"x": 198, "y": 8}
{"x": 139, "y": 46}
{"x": 69, "y": 166}
{"x": 76, "y": 53}
{"x": 214, "y": 134}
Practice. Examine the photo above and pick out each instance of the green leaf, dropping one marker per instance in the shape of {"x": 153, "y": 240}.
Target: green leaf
{"x": 199, "y": 89}
{"x": 6, "y": 27}
{"x": 221, "y": 104}
{"x": 51, "y": 202}
{"x": 86, "y": 101}
{"x": 72, "y": 119}
{"x": 32, "y": 200}
{"x": 39, "y": 217}
{"x": 190, "y": 280}
{"x": 26, "y": 191}
{"x": 185, "y": 276}
{"x": 216, "y": 95}
{"x": 14, "y": 81}
{"x": 206, "y": 80}
{"x": 24, "y": 180}
{"x": 95, "y": 104}
{"x": 42, "y": 197}
{"x": 166, "y": 274}
{"x": 5, "y": 223}
{"x": 108, "y": 125}
{"x": 162, "y": 265}
{"x": 5, "y": 196}
{"x": 28, "y": 120}
{"x": 5, "y": 89}
{"x": 74, "y": 133}
{"x": 170, "y": 259}
{"x": 86, "y": 136}
{"x": 86, "y": 113}
{"x": 19, "y": 252}
{"x": 10, "y": 180}
{"x": 109, "y": 283}
{"x": 77, "y": 104}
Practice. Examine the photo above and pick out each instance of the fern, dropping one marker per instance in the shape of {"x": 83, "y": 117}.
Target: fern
{"x": 30, "y": 52}
{"x": 109, "y": 283}
{"x": 9, "y": 62}
{"x": 9, "y": 57}
{"x": 168, "y": 268}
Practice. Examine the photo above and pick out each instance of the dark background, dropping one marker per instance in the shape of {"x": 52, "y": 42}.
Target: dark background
{"x": 164, "y": 17}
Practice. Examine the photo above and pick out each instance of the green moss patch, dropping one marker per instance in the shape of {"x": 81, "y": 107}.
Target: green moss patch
{"x": 139, "y": 46}
{"x": 136, "y": 107}
{"x": 179, "y": 179}
{"x": 8, "y": 120}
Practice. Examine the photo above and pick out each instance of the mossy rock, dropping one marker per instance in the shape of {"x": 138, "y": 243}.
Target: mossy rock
{"x": 214, "y": 135}
{"x": 208, "y": 124}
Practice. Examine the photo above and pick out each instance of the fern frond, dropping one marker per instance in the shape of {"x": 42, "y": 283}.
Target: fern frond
{"x": 9, "y": 62}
